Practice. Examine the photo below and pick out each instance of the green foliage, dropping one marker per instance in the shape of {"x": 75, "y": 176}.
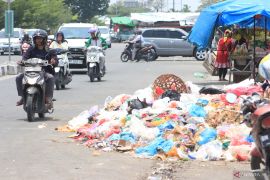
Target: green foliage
{"x": 186, "y": 8}
{"x": 97, "y": 21}
{"x": 87, "y": 9}
{"x": 118, "y": 9}
{"x": 38, "y": 13}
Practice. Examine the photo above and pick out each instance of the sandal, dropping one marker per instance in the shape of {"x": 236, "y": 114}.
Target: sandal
{"x": 20, "y": 102}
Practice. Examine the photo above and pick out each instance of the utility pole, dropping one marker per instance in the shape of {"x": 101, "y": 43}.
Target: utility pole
{"x": 173, "y": 6}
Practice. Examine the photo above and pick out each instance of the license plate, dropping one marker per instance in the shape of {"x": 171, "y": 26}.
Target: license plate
{"x": 32, "y": 68}
{"x": 75, "y": 61}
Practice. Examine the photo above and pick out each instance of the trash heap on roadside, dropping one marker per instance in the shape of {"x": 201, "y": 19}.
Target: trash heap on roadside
{"x": 170, "y": 119}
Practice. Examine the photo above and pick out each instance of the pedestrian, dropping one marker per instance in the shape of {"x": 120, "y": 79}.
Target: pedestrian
{"x": 225, "y": 46}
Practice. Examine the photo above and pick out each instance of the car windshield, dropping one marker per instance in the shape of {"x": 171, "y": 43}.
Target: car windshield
{"x": 75, "y": 32}
{"x": 103, "y": 30}
{"x": 16, "y": 34}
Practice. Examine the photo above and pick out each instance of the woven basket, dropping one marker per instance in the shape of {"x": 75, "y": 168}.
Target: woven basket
{"x": 168, "y": 82}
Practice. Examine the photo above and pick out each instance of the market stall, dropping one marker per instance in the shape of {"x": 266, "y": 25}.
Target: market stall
{"x": 252, "y": 14}
{"x": 123, "y": 26}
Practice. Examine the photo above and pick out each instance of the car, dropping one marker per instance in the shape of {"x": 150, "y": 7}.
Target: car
{"x": 15, "y": 41}
{"x": 105, "y": 33}
{"x": 1, "y": 50}
{"x": 124, "y": 35}
{"x": 76, "y": 35}
{"x": 172, "y": 42}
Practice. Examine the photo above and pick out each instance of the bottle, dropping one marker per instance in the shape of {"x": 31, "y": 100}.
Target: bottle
{"x": 199, "y": 75}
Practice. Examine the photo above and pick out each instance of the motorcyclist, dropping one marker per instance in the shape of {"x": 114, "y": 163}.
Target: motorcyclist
{"x": 39, "y": 51}
{"x": 137, "y": 41}
{"x": 96, "y": 40}
{"x": 60, "y": 42}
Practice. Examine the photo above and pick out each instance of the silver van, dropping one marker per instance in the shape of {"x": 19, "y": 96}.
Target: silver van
{"x": 171, "y": 42}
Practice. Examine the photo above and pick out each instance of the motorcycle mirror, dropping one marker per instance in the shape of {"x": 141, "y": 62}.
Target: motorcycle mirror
{"x": 231, "y": 98}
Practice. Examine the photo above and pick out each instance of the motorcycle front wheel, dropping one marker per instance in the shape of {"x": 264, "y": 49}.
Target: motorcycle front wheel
{"x": 124, "y": 57}
{"x": 91, "y": 74}
{"x": 57, "y": 81}
{"x": 255, "y": 164}
{"x": 30, "y": 104}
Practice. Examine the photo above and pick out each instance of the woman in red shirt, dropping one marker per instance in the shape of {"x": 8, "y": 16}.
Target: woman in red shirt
{"x": 224, "y": 48}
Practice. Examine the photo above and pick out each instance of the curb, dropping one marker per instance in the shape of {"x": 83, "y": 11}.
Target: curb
{"x": 10, "y": 70}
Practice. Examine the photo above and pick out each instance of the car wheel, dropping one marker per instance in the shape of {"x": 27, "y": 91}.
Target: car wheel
{"x": 200, "y": 54}
{"x": 2, "y": 53}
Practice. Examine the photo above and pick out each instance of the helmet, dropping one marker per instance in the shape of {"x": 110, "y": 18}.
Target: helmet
{"x": 93, "y": 30}
{"x": 60, "y": 33}
{"x": 40, "y": 33}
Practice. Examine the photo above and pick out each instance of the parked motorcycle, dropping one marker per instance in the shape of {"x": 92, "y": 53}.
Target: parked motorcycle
{"x": 256, "y": 113}
{"x": 147, "y": 52}
{"x": 34, "y": 88}
{"x": 62, "y": 72}
{"x": 95, "y": 60}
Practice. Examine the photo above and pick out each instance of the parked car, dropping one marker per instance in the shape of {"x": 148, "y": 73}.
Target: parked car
{"x": 105, "y": 33}
{"x": 124, "y": 35}
{"x": 15, "y": 41}
{"x": 172, "y": 42}
{"x": 1, "y": 50}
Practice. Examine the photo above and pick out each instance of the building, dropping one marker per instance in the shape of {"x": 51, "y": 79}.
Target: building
{"x": 131, "y": 3}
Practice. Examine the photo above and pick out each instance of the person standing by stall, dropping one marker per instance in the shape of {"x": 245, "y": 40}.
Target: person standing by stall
{"x": 224, "y": 48}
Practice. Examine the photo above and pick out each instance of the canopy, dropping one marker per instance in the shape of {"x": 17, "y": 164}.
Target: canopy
{"x": 164, "y": 17}
{"x": 240, "y": 12}
{"x": 123, "y": 20}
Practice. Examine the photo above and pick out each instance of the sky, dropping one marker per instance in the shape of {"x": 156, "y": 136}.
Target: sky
{"x": 194, "y": 4}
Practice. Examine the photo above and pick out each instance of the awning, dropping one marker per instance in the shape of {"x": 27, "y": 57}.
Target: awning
{"x": 123, "y": 20}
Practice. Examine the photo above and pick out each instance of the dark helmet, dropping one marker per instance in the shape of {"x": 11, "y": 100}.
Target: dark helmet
{"x": 40, "y": 33}
{"x": 60, "y": 33}
{"x": 26, "y": 37}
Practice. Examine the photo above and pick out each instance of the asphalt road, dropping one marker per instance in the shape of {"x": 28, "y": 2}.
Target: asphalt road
{"x": 28, "y": 152}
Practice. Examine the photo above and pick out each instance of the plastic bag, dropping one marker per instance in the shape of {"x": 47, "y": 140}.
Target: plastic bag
{"x": 210, "y": 90}
{"x": 82, "y": 118}
{"x": 209, "y": 134}
{"x": 158, "y": 144}
{"x": 172, "y": 94}
{"x": 197, "y": 111}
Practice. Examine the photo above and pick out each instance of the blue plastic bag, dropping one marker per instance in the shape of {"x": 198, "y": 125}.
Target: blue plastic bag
{"x": 209, "y": 134}
{"x": 197, "y": 111}
{"x": 127, "y": 136}
{"x": 152, "y": 148}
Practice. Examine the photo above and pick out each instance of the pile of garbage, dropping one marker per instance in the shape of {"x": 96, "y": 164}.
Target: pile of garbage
{"x": 163, "y": 122}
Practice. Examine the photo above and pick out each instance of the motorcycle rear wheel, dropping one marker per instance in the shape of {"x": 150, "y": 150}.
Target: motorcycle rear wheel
{"x": 63, "y": 86}
{"x": 57, "y": 81}
{"x": 124, "y": 57}
{"x": 30, "y": 104}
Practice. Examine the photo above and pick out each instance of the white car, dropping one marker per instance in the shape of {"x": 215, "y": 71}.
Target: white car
{"x": 76, "y": 35}
{"x": 105, "y": 33}
{"x": 15, "y": 41}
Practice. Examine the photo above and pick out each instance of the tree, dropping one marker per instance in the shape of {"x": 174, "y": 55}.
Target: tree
{"x": 118, "y": 9}
{"x": 38, "y": 14}
{"x": 158, "y": 5}
{"x": 186, "y": 8}
{"x": 87, "y": 9}
{"x": 205, "y": 3}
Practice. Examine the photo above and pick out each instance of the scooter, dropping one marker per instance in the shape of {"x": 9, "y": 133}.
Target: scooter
{"x": 34, "y": 88}
{"x": 62, "y": 72}
{"x": 95, "y": 60}
{"x": 256, "y": 113}
{"x": 147, "y": 52}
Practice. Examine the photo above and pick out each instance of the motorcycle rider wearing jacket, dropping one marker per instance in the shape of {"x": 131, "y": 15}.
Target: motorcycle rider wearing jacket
{"x": 137, "y": 43}
{"x": 39, "y": 51}
{"x": 60, "y": 42}
{"x": 96, "y": 40}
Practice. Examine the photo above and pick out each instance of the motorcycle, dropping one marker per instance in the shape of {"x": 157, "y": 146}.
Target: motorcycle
{"x": 256, "y": 112}
{"x": 62, "y": 73}
{"x": 147, "y": 52}
{"x": 95, "y": 60}
{"x": 34, "y": 88}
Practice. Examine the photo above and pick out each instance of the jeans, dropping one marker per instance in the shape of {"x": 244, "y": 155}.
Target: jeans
{"x": 49, "y": 85}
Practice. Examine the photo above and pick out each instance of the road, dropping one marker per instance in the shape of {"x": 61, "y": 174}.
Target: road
{"x": 28, "y": 152}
